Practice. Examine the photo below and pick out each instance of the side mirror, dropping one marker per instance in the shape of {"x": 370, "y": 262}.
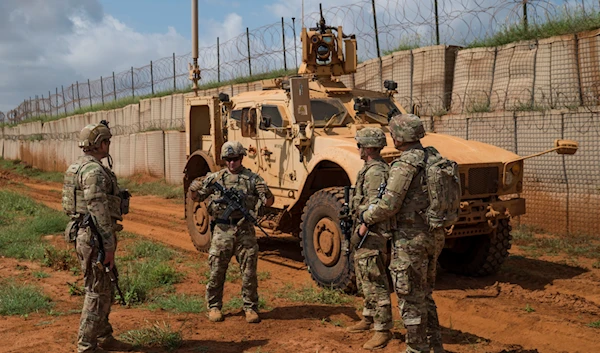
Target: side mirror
{"x": 566, "y": 146}
{"x": 265, "y": 123}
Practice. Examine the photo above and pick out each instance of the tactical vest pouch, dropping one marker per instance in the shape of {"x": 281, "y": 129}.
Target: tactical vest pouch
{"x": 71, "y": 231}
{"x": 69, "y": 199}
{"x": 114, "y": 206}
{"x": 125, "y": 196}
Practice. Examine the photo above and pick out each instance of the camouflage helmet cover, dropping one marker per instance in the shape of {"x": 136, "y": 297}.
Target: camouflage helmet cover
{"x": 93, "y": 134}
{"x": 232, "y": 149}
{"x": 406, "y": 128}
{"x": 371, "y": 137}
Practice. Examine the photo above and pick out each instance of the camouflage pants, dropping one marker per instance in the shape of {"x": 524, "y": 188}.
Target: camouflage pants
{"x": 227, "y": 241}
{"x": 434, "y": 332}
{"x": 372, "y": 282}
{"x": 99, "y": 295}
{"x": 413, "y": 249}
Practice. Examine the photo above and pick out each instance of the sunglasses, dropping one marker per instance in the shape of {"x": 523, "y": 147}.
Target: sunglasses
{"x": 232, "y": 159}
{"x": 358, "y": 145}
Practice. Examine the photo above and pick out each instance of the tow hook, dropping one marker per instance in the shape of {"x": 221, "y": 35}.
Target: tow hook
{"x": 492, "y": 217}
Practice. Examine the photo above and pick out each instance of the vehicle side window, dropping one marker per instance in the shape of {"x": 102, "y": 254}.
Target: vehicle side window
{"x": 272, "y": 112}
{"x": 236, "y": 115}
{"x": 249, "y": 122}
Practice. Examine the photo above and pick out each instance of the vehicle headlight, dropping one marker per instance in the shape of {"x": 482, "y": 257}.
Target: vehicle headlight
{"x": 513, "y": 173}
{"x": 509, "y": 178}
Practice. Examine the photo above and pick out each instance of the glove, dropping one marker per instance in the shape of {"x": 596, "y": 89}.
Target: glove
{"x": 196, "y": 184}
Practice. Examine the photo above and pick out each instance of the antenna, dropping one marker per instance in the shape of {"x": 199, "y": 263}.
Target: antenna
{"x": 302, "y": 13}
{"x": 194, "y": 68}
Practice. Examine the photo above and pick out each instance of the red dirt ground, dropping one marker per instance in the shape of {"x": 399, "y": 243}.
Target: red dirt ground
{"x": 477, "y": 314}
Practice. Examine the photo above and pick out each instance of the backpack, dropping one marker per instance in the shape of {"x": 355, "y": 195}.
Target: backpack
{"x": 443, "y": 186}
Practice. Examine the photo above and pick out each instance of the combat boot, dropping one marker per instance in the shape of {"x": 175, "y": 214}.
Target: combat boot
{"x": 379, "y": 340}
{"x": 215, "y": 315}
{"x": 112, "y": 344}
{"x": 361, "y": 326}
{"x": 252, "y": 316}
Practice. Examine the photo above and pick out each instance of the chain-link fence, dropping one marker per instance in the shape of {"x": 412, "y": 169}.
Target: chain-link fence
{"x": 381, "y": 27}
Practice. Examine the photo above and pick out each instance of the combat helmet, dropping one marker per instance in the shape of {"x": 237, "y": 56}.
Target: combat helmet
{"x": 232, "y": 149}
{"x": 371, "y": 137}
{"x": 93, "y": 134}
{"x": 406, "y": 128}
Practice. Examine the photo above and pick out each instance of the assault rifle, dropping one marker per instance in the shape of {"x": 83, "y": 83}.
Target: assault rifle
{"x": 380, "y": 191}
{"x": 112, "y": 273}
{"x": 234, "y": 199}
{"x": 346, "y": 218}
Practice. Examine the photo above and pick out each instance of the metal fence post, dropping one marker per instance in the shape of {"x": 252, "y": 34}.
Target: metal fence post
{"x": 78, "y": 96}
{"x": 218, "y": 61}
{"x": 132, "y": 86}
{"x": 525, "y": 22}
{"x": 43, "y": 106}
{"x": 377, "y": 44}
{"x": 90, "y": 92}
{"x": 283, "y": 38}
{"x": 295, "y": 45}
{"x": 56, "y": 100}
{"x": 50, "y": 102}
{"x": 437, "y": 23}
{"x": 114, "y": 86}
{"x": 174, "y": 75}
{"x": 63, "y": 97}
{"x": 248, "y": 41}
{"x": 102, "y": 89}
{"x": 151, "y": 77}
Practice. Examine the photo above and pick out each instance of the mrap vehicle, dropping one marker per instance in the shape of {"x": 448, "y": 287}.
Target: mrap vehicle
{"x": 299, "y": 134}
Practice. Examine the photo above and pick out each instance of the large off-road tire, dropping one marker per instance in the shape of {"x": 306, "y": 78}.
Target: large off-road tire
{"x": 322, "y": 240}
{"x": 480, "y": 255}
{"x": 198, "y": 222}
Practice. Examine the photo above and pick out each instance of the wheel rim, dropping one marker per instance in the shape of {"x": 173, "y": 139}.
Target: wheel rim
{"x": 327, "y": 242}
{"x": 201, "y": 217}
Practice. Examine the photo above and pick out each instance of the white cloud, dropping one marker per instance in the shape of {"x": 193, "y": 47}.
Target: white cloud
{"x": 44, "y": 45}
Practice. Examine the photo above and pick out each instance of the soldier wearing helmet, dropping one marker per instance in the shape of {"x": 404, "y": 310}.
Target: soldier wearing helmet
{"x": 91, "y": 189}
{"x": 369, "y": 261}
{"x": 414, "y": 245}
{"x": 233, "y": 235}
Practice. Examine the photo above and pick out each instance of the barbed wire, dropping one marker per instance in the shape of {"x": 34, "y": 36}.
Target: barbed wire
{"x": 400, "y": 25}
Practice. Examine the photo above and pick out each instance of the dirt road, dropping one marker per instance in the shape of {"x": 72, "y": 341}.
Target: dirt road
{"x": 533, "y": 305}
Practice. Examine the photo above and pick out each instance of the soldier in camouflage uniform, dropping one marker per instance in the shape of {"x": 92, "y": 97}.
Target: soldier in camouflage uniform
{"x": 91, "y": 188}
{"x": 414, "y": 248}
{"x": 235, "y": 235}
{"x": 369, "y": 261}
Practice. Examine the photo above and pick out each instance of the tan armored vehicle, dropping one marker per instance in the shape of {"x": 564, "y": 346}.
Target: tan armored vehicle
{"x": 299, "y": 133}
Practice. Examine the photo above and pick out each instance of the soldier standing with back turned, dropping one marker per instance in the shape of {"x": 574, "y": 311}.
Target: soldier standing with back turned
{"x": 234, "y": 235}
{"x": 369, "y": 261}
{"x": 414, "y": 249}
{"x": 91, "y": 189}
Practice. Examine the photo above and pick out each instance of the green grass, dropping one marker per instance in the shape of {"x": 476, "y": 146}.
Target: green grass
{"x": 236, "y": 303}
{"x": 40, "y": 274}
{"x": 529, "y": 309}
{"x": 60, "y": 259}
{"x": 22, "y": 299}
{"x": 312, "y": 294}
{"x": 156, "y": 336}
{"x": 179, "y": 303}
{"x": 149, "y": 250}
{"x": 157, "y": 188}
{"x": 565, "y": 22}
{"x": 23, "y": 169}
{"x": 140, "y": 281}
{"x": 595, "y": 324}
{"x": 574, "y": 245}
{"x": 479, "y": 107}
{"x": 23, "y": 222}
{"x": 406, "y": 43}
